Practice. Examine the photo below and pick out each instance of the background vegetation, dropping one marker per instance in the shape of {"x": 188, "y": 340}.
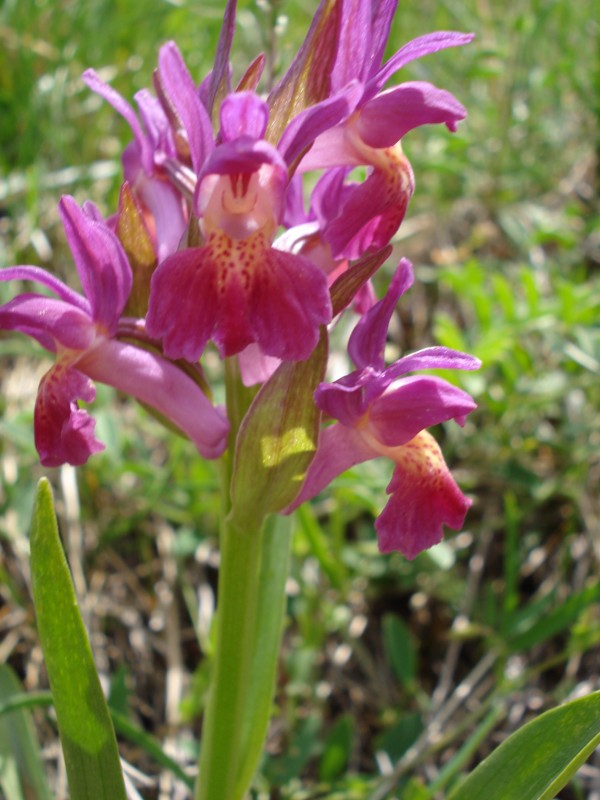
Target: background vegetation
{"x": 390, "y": 668}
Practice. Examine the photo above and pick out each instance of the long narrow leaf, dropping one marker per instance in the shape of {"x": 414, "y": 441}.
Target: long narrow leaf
{"x": 124, "y": 726}
{"x": 21, "y": 770}
{"x": 559, "y": 619}
{"x": 129, "y": 730}
{"x": 84, "y": 724}
{"x": 540, "y": 758}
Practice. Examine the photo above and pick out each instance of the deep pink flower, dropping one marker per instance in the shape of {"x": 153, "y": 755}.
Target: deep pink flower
{"x": 81, "y": 330}
{"x": 168, "y": 145}
{"x": 382, "y": 412}
{"x": 236, "y": 288}
{"x": 356, "y": 217}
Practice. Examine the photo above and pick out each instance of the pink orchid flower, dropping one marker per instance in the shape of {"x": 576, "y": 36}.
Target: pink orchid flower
{"x": 82, "y": 331}
{"x": 381, "y": 412}
{"x": 159, "y": 162}
{"x": 236, "y": 289}
{"x": 357, "y": 217}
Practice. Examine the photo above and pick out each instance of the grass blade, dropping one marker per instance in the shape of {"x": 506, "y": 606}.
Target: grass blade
{"x": 21, "y": 770}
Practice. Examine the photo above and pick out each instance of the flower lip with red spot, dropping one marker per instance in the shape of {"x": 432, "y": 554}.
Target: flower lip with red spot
{"x": 239, "y": 289}
{"x": 423, "y": 498}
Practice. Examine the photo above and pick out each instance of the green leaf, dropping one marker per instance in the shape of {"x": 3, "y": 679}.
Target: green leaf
{"x": 319, "y": 545}
{"x": 86, "y": 732}
{"x": 118, "y": 695}
{"x": 396, "y": 740}
{"x": 277, "y": 439}
{"x": 268, "y": 629}
{"x": 21, "y": 770}
{"x": 540, "y": 758}
{"x": 128, "y": 729}
{"x": 551, "y": 623}
{"x": 414, "y": 790}
{"x": 399, "y": 648}
{"x": 337, "y": 749}
{"x": 303, "y": 741}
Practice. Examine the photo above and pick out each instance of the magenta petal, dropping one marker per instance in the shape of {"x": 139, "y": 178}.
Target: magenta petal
{"x": 432, "y": 358}
{"x": 330, "y": 194}
{"x": 333, "y": 148}
{"x": 157, "y": 127}
{"x": 242, "y": 155}
{"x": 319, "y": 119}
{"x": 289, "y": 301}
{"x": 243, "y": 114}
{"x": 424, "y": 497}
{"x": 184, "y": 304}
{"x": 385, "y": 119}
{"x": 348, "y": 398}
{"x": 367, "y": 342}
{"x": 339, "y": 449}
{"x": 365, "y": 298}
{"x": 255, "y": 366}
{"x": 158, "y": 383}
{"x": 383, "y": 13}
{"x": 64, "y": 433}
{"x": 353, "y": 41}
{"x": 294, "y": 213}
{"x": 417, "y": 48}
{"x": 123, "y": 108}
{"x": 238, "y": 292}
{"x": 218, "y": 83}
{"x": 101, "y": 263}
{"x": 182, "y": 92}
{"x": 39, "y": 275}
{"x": 91, "y": 210}
{"x": 372, "y": 212}
{"x": 51, "y": 322}
{"x": 166, "y": 206}
{"x": 414, "y": 404}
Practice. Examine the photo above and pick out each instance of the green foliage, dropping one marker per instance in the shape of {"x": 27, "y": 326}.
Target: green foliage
{"x": 21, "y": 771}
{"x": 399, "y": 648}
{"x": 16, "y": 700}
{"x": 538, "y": 760}
{"x": 337, "y": 749}
{"x": 86, "y": 731}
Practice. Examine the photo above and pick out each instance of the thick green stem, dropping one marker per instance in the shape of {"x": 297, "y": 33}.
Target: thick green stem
{"x": 250, "y": 613}
{"x": 254, "y": 568}
{"x": 236, "y": 626}
{"x": 270, "y": 619}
